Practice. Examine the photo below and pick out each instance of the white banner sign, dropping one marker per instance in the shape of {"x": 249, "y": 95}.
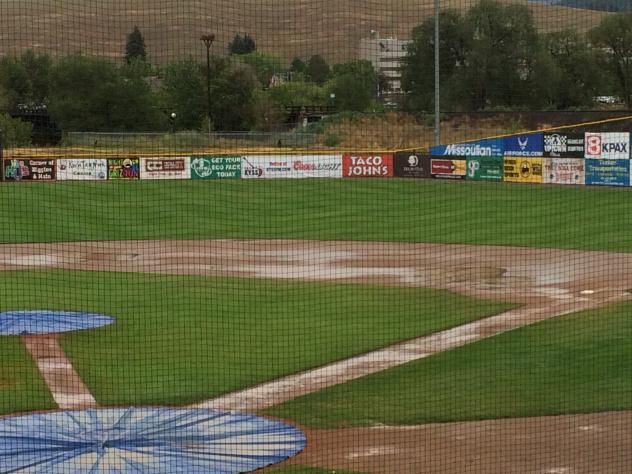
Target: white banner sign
{"x": 82, "y": 169}
{"x": 165, "y": 168}
{"x": 297, "y": 166}
{"x": 609, "y": 145}
{"x": 564, "y": 171}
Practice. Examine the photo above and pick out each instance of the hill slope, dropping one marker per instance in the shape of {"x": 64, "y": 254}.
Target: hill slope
{"x": 172, "y": 27}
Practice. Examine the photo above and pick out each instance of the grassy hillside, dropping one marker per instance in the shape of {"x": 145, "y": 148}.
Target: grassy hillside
{"x": 172, "y": 27}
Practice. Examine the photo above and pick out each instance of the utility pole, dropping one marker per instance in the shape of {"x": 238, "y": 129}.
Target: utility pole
{"x": 437, "y": 86}
{"x": 1, "y": 157}
{"x": 208, "y": 41}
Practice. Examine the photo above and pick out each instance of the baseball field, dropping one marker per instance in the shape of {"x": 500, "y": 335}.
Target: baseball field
{"x": 404, "y": 325}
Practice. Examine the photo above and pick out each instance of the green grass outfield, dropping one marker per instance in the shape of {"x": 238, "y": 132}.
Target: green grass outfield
{"x": 578, "y": 363}
{"x": 378, "y": 210}
{"x": 180, "y": 339}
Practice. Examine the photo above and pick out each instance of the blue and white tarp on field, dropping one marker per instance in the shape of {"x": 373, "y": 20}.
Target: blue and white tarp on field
{"x": 487, "y": 147}
{"x": 133, "y": 440}
{"x": 16, "y": 323}
{"x": 531, "y": 144}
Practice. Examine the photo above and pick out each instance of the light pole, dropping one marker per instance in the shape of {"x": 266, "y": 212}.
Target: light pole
{"x": 208, "y": 41}
{"x": 437, "y": 85}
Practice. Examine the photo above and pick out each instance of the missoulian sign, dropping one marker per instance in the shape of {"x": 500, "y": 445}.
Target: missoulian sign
{"x": 488, "y": 147}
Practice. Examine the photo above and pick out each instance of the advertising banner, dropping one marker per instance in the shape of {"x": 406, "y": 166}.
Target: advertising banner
{"x": 316, "y": 166}
{"x": 485, "y": 168}
{"x": 564, "y": 171}
{"x": 519, "y": 169}
{"x": 608, "y": 172}
{"x": 564, "y": 145}
{"x": 82, "y": 169}
{"x": 165, "y": 168}
{"x": 215, "y": 167}
{"x": 488, "y": 147}
{"x": 123, "y": 168}
{"x": 29, "y": 170}
{"x": 297, "y": 166}
{"x": 411, "y": 165}
{"x": 530, "y": 144}
{"x": 607, "y": 146}
{"x": 448, "y": 169}
{"x": 367, "y": 166}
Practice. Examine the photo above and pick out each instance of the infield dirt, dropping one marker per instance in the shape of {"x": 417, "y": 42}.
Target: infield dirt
{"x": 545, "y": 282}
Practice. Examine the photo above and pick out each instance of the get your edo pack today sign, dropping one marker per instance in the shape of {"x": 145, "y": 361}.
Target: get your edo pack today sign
{"x": 486, "y": 147}
{"x": 607, "y": 146}
{"x": 215, "y": 167}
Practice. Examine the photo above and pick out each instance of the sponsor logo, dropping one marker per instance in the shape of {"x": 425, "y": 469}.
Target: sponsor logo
{"x": 367, "y": 166}
{"x": 252, "y": 170}
{"x": 525, "y": 169}
{"x": 523, "y": 143}
{"x": 164, "y": 165}
{"x": 555, "y": 143}
{"x": 304, "y": 166}
{"x": 413, "y": 160}
{"x": 448, "y": 167}
{"x": 202, "y": 167}
{"x": 614, "y": 147}
{"x": 464, "y": 149}
{"x": 472, "y": 167}
{"x": 593, "y": 145}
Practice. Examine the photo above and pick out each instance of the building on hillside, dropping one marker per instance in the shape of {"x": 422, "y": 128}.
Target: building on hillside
{"x": 386, "y": 55}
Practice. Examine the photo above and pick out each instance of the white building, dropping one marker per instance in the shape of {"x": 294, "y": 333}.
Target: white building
{"x": 386, "y": 55}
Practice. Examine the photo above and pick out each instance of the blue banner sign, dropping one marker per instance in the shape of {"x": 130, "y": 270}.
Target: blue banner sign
{"x": 531, "y": 144}
{"x": 608, "y": 172}
{"x": 488, "y": 147}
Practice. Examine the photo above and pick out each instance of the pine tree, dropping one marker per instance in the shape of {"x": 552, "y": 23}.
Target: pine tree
{"x": 135, "y": 46}
{"x": 241, "y": 45}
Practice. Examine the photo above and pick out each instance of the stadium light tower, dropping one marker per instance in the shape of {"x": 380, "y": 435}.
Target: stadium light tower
{"x": 208, "y": 41}
{"x": 437, "y": 90}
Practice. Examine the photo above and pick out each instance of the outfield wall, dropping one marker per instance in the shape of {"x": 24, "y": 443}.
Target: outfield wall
{"x": 594, "y": 159}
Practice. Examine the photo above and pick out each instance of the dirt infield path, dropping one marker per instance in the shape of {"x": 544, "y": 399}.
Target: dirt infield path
{"x": 596, "y": 443}
{"x": 546, "y": 282}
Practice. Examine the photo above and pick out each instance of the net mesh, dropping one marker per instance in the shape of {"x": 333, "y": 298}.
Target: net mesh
{"x": 236, "y": 235}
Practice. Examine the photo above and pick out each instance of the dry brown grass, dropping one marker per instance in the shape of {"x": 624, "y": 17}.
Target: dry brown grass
{"x": 400, "y": 131}
{"x": 291, "y": 28}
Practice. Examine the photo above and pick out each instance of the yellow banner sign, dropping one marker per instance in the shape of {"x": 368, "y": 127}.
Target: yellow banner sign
{"x": 520, "y": 169}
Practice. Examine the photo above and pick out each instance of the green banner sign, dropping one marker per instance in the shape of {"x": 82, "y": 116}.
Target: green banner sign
{"x": 485, "y": 168}
{"x": 215, "y": 167}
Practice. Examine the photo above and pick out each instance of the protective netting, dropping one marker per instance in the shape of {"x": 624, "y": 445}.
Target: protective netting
{"x": 273, "y": 231}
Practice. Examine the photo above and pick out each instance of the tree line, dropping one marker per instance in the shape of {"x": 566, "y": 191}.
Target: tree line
{"x": 87, "y": 93}
{"x": 493, "y": 57}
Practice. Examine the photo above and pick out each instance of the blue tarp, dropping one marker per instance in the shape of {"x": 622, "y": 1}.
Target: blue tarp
{"x": 15, "y": 323}
{"x": 133, "y": 440}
